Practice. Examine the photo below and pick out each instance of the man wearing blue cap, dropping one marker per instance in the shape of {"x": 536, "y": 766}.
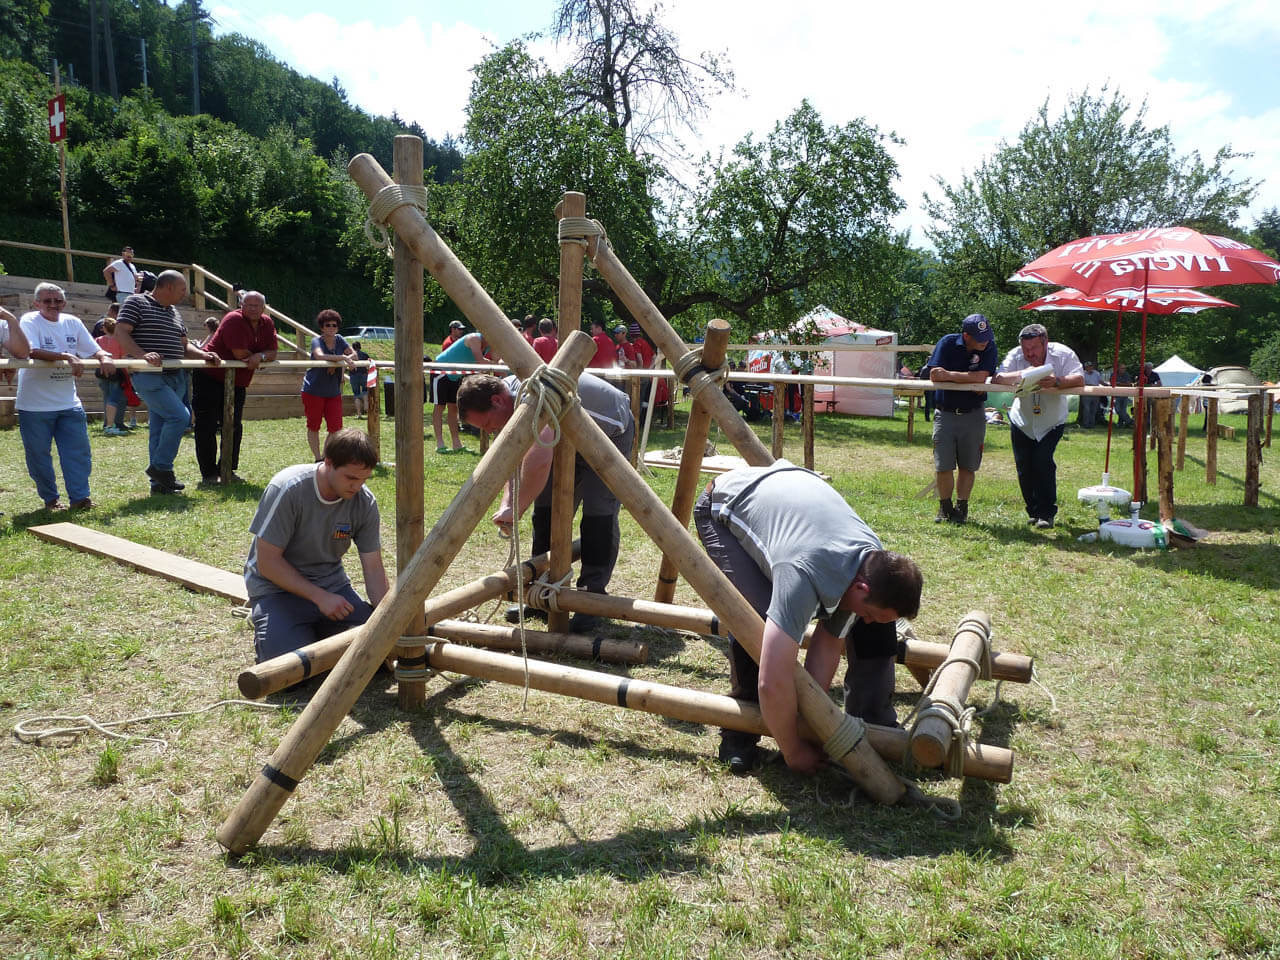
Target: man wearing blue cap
{"x": 959, "y": 417}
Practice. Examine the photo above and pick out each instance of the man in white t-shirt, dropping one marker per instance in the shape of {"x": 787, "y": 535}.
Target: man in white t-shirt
{"x": 49, "y": 409}
{"x": 121, "y": 276}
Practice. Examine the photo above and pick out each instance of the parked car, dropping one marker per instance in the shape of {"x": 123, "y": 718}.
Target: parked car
{"x": 369, "y": 333}
{"x": 1234, "y": 376}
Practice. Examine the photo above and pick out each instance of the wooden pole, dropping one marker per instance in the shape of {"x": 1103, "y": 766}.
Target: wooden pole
{"x": 673, "y": 394}
{"x": 197, "y": 290}
{"x": 931, "y": 738}
{"x": 690, "y": 706}
{"x": 1161, "y": 429}
{"x": 862, "y": 763}
{"x": 373, "y": 416}
{"x": 572, "y": 204}
{"x": 265, "y": 678}
{"x": 1184, "y": 413}
{"x": 1211, "y": 442}
{"x": 1253, "y": 452}
{"x": 484, "y": 441}
{"x": 411, "y": 694}
{"x": 696, "y": 430}
{"x": 1270, "y": 396}
{"x": 779, "y": 417}
{"x": 650, "y": 318}
{"x": 62, "y": 180}
{"x": 806, "y": 424}
{"x": 633, "y": 394}
{"x": 377, "y": 638}
{"x": 228, "y": 424}
{"x": 911, "y": 417}
{"x": 1139, "y": 457}
{"x": 495, "y": 636}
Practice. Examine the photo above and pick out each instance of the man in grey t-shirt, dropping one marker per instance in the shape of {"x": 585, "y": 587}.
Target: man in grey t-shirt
{"x": 308, "y": 517}
{"x": 795, "y": 550}
{"x": 487, "y": 403}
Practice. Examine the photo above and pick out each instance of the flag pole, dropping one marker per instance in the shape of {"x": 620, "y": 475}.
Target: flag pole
{"x": 62, "y": 177}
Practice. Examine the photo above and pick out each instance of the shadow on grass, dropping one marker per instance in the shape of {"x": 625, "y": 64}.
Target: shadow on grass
{"x": 815, "y": 805}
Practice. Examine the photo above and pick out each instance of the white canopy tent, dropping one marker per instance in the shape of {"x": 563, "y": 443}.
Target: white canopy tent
{"x": 1176, "y": 372}
{"x": 848, "y": 363}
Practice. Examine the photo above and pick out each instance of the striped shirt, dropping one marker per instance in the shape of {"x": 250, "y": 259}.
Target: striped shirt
{"x": 155, "y": 329}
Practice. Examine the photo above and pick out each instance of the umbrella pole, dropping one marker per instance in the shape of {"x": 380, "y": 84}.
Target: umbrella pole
{"x": 1111, "y": 401}
{"x": 1140, "y": 449}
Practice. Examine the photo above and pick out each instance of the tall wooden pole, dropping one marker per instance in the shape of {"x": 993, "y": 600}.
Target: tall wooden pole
{"x": 62, "y": 179}
{"x": 1184, "y": 412}
{"x": 1161, "y": 429}
{"x": 1253, "y": 452}
{"x": 373, "y": 416}
{"x": 806, "y": 424}
{"x": 228, "y": 423}
{"x": 572, "y": 255}
{"x": 1211, "y": 442}
{"x": 779, "y": 417}
{"x": 410, "y": 512}
{"x": 714, "y": 343}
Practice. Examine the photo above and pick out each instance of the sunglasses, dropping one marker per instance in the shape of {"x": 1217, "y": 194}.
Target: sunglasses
{"x": 53, "y": 300}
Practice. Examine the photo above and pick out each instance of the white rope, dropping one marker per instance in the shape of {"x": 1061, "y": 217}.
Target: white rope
{"x": 386, "y": 202}
{"x": 584, "y": 231}
{"x": 85, "y": 723}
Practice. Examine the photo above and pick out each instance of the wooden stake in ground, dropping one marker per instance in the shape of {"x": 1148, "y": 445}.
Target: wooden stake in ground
{"x": 1253, "y": 452}
{"x": 779, "y": 417}
{"x": 942, "y": 706}
{"x": 410, "y": 524}
{"x": 806, "y": 424}
{"x": 373, "y": 416}
{"x": 1161, "y": 428}
{"x": 377, "y": 638}
{"x": 715, "y": 340}
{"x": 1184, "y": 411}
{"x": 228, "y": 423}
{"x": 1211, "y": 442}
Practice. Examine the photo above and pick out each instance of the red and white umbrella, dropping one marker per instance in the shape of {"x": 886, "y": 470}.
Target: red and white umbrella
{"x": 1169, "y": 256}
{"x": 1156, "y": 300}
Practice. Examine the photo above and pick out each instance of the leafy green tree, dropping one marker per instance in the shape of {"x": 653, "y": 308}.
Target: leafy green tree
{"x": 1095, "y": 168}
{"x": 29, "y": 161}
{"x": 24, "y": 29}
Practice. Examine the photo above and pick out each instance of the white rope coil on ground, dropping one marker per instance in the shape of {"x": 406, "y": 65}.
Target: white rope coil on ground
{"x": 84, "y": 723}
{"x": 386, "y": 202}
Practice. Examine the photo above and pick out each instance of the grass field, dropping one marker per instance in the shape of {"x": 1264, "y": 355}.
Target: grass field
{"x": 1141, "y": 821}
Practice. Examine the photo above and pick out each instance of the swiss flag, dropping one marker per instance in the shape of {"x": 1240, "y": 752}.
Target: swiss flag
{"x": 58, "y": 118}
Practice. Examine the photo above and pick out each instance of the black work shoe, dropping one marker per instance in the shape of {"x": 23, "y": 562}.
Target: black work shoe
{"x": 530, "y": 613}
{"x": 586, "y": 623}
{"x": 740, "y": 756}
{"x": 961, "y": 512}
{"x": 159, "y": 486}
{"x": 945, "y": 511}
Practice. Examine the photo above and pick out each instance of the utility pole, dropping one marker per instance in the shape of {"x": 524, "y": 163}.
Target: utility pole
{"x": 113, "y": 87}
{"x": 195, "y": 59}
{"x": 94, "y": 72}
{"x": 142, "y": 56}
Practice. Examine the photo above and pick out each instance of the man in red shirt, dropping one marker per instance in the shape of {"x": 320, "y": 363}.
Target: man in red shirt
{"x": 246, "y": 334}
{"x": 626, "y": 352}
{"x": 606, "y": 353}
{"x": 547, "y": 342}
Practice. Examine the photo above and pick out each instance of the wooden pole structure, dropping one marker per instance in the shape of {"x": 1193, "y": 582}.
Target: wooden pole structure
{"x": 411, "y": 693}
{"x": 269, "y": 676}
{"x": 633, "y": 394}
{"x": 373, "y": 416}
{"x": 779, "y": 417}
{"x": 1270, "y": 396}
{"x": 62, "y": 180}
{"x": 861, "y": 761}
{"x": 911, "y": 417}
{"x": 672, "y": 394}
{"x": 1253, "y": 452}
{"x": 1184, "y": 413}
{"x": 691, "y": 706}
{"x": 1211, "y": 442}
{"x": 1161, "y": 429}
{"x": 502, "y": 636}
{"x": 660, "y": 331}
{"x": 806, "y": 424}
{"x": 931, "y": 738}
{"x": 197, "y": 290}
{"x": 228, "y": 424}
{"x": 377, "y": 638}
{"x": 696, "y": 430}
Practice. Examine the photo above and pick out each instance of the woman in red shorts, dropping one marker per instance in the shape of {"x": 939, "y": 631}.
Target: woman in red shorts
{"x": 322, "y": 386}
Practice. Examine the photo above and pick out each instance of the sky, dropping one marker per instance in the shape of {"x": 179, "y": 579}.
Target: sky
{"x": 951, "y": 80}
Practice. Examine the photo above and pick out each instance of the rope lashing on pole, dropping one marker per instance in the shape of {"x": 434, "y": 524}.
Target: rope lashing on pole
{"x": 689, "y": 370}
{"x": 582, "y": 230}
{"x": 386, "y": 202}
{"x": 950, "y": 710}
{"x": 847, "y": 735}
{"x": 552, "y": 393}
{"x": 412, "y": 668}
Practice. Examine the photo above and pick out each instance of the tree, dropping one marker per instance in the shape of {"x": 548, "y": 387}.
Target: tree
{"x": 1096, "y": 168}
{"x": 629, "y": 66}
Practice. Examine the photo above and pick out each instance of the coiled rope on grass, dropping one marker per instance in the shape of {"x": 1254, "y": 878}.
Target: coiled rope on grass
{"x": 26, "y": 731}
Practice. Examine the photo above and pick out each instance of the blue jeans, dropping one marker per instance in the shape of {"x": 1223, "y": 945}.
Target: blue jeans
{"x": 1037, "y": 471}
{"x": 112, "y": 396}
{"x": 69, "y": 430}
{"x": 167, "y": 416}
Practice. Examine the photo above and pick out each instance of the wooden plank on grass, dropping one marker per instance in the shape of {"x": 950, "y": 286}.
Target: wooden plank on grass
{"x": 195, "y": 576}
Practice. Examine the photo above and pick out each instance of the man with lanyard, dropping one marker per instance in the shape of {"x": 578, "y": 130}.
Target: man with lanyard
{"x": 246, "y": 334}
{"x": 795, "y": 549}
{"x": 150, "y": 329}
{"x": 121, "y": 276}
{"x": 959, "y": 417}
{"x": 1039, "y": 418}
{"x": 487, "y": 403}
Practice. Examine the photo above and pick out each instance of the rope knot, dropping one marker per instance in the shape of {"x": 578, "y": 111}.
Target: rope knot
{"x": 386, "y": 202}
{"x": 690, "y": 371}
{"x": 847, "y": 735}
{"x": 553, "y": 393}
{"x": 581, "y": 231}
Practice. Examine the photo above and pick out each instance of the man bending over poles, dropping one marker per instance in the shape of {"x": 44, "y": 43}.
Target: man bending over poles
{"x": 307, "y": 518}
{"x": 795, "y": 550}
{"x": 487, "y": 403}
